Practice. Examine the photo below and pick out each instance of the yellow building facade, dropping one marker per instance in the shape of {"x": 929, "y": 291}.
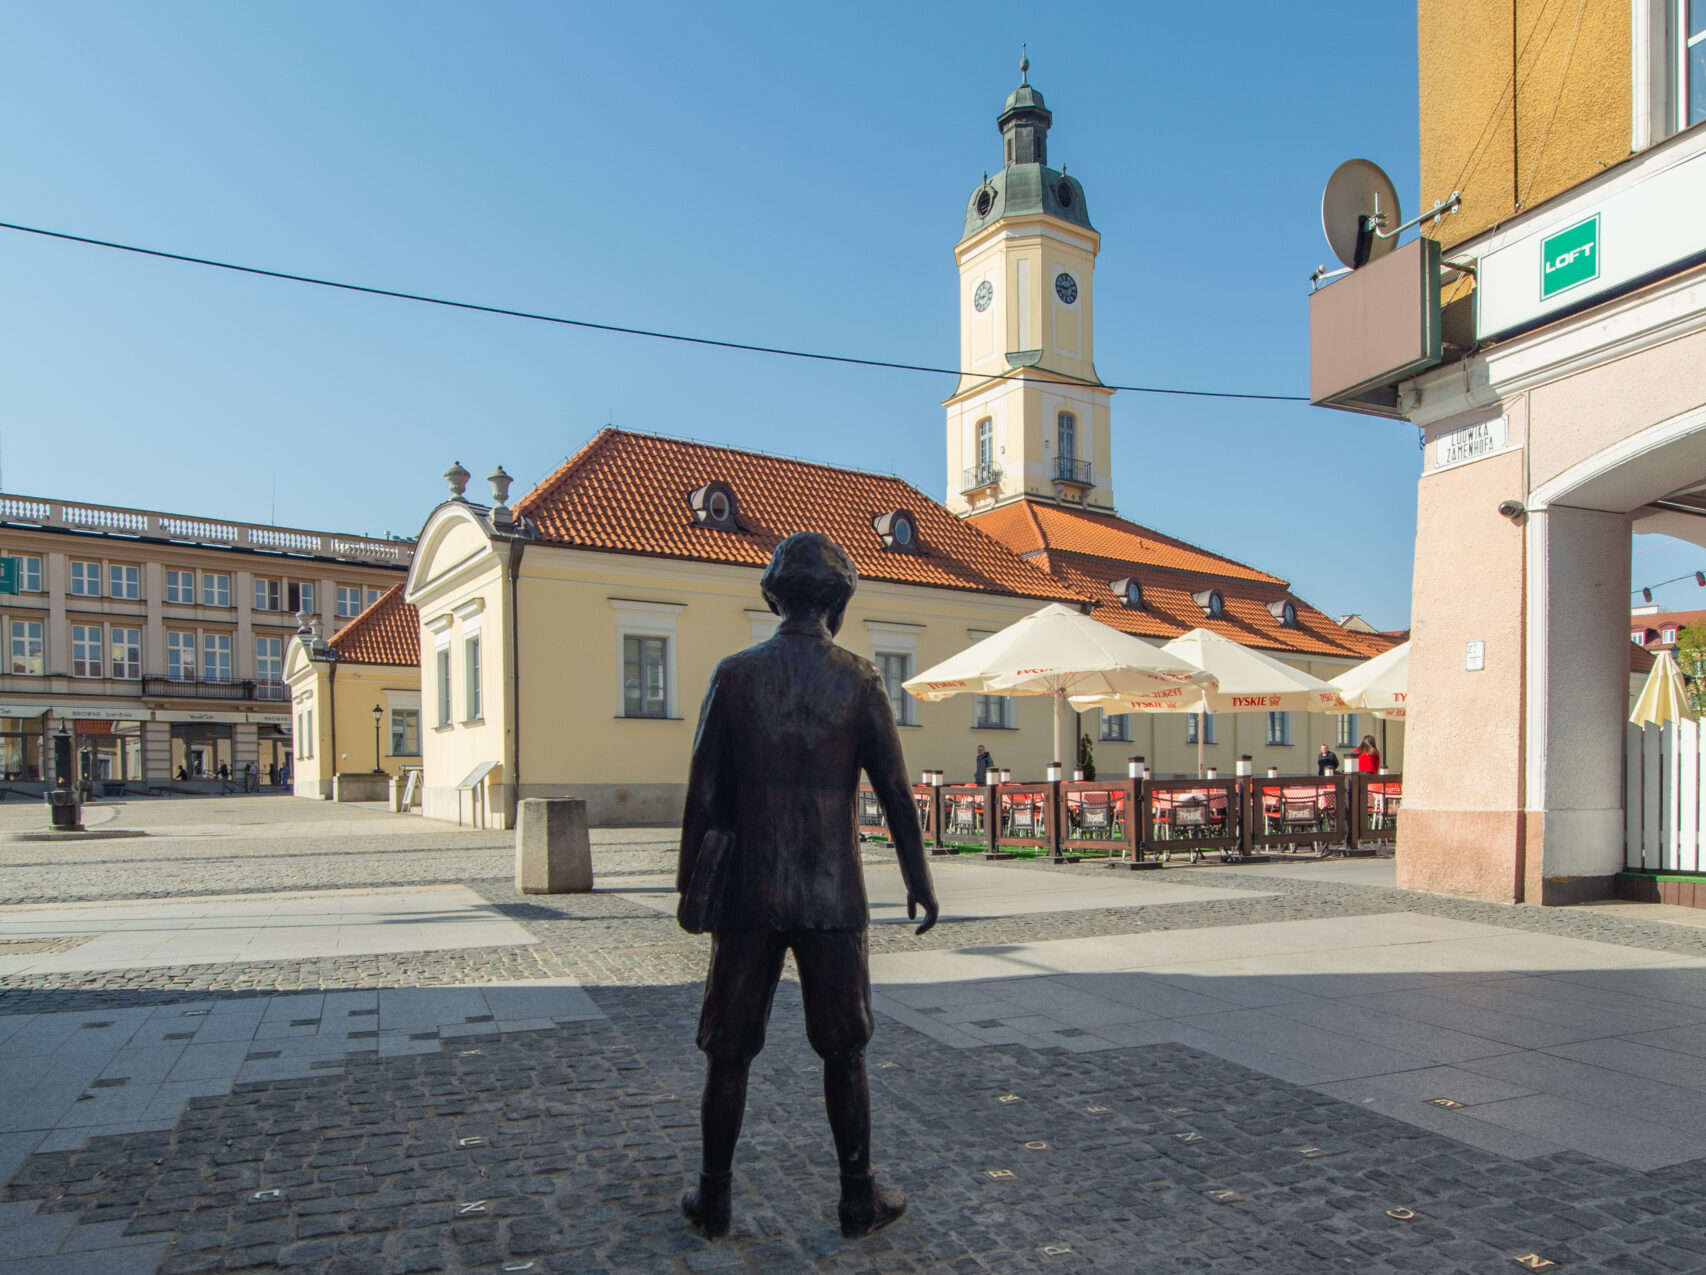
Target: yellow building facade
{"x": 355, "y": 702}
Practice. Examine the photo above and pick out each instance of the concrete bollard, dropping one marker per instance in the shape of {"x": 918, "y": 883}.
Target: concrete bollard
{"x": 553, "y": 854}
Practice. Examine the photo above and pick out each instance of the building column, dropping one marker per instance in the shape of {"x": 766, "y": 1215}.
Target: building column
{"x": 56, "y": 652}
{"x": 1577, "y": 693}
{"x": 243, "y": 658}
{"x": 158, "y": 765}
{"x": 244, "y": 747}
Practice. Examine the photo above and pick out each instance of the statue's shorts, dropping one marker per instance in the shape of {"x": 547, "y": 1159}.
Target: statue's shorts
{"x": 835, "y": 982}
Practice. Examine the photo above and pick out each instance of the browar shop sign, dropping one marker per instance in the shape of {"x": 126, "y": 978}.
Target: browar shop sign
{"x": 1631, "y": 229}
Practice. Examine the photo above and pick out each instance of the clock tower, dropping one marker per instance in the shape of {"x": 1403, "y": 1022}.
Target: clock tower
{"x": 1029, "y": 417}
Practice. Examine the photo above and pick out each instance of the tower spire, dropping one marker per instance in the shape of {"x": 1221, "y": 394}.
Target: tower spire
{"x": 1024, "y": 66}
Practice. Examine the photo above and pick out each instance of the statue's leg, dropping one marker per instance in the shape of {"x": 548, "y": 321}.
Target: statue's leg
{"x": 739, "y": 987}
{"x": 835, "y": 980}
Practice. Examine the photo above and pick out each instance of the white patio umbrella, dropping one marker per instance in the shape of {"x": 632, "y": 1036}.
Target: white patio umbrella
{"x": 1245, "y": 681}
{"x": 1664, "y": 696}
{"x": 1059, "y": 652}
{"x": 1381, "y": 685}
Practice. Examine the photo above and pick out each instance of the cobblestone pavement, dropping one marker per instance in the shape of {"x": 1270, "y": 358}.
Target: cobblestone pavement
{"x": 1157, "y": 1158}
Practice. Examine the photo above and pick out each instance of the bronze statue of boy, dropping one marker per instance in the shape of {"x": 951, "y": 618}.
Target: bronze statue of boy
{"x": 770, "y": 863}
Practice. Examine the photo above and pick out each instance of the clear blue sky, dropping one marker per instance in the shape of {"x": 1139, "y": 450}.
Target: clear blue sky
{"x": 784, "y": 174}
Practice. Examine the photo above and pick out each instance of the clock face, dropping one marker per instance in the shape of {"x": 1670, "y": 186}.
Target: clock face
{"x": 1066, "y": 287}
{"x": 983, "y": 296}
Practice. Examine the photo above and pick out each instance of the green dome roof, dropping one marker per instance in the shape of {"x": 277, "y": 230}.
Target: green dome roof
{"x": 1022, "y": 97}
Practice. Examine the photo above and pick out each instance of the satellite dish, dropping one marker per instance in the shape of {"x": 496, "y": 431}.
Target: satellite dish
{"x": 1360, "y": 197}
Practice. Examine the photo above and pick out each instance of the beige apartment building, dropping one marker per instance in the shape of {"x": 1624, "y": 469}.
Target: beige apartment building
{"x": 1549, "y": 340}
{"x": 158, "y": 640}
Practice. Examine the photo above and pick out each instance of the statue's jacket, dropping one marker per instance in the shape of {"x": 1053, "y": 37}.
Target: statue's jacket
{"x": 784, "y": 730}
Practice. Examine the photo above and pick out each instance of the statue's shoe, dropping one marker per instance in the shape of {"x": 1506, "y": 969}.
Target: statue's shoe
{"x": 709, "y": 1207}
{"x": 866, "y": 1207}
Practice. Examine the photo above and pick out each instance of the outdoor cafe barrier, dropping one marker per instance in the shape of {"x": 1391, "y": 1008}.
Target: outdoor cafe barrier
{"x": 1145, "y": 822}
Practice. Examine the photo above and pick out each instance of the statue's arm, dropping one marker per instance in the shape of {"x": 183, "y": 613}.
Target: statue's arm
{"x": 885, "y": 763}
{"x": 706, "y": 792}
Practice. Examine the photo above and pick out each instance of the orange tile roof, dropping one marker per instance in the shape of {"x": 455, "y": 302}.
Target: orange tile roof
{"x": 388, "y": 632}
{"x": 1027, "y": 526}
{"x": 628, "y": 493}
{"x": 1089, "y": 551}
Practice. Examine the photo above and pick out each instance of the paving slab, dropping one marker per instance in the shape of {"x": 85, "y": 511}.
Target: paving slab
{"x": 971, "y": 891}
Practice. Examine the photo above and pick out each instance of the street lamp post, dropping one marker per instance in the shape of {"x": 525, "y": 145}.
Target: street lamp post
{"x": 378, "y": 767}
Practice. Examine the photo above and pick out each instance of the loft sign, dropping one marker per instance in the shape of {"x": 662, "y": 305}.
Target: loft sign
{"x": 1569, "y": 258}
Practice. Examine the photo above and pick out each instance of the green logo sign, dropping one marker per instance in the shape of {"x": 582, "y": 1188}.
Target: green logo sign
{"x": 1569, "y": 257}
{"x": 9, "y": 574}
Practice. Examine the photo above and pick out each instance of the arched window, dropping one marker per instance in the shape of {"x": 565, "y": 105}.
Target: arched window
{"x": 985, "y": 445}
{"x": 1066, "y": 436}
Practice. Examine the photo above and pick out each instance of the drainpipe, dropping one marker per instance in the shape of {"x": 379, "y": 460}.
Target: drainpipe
{"x": 332, "y": 709}
{"x": 512, "y": 624}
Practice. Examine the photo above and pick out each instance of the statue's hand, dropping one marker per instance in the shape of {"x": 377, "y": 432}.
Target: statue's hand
{"x": 926, "y": 901}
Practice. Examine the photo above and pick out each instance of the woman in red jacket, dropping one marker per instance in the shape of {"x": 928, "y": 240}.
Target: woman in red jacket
{"x": 1368, "y": 757}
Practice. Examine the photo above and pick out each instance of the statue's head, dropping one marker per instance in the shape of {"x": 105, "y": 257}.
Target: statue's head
{"x": 809, "y": 577}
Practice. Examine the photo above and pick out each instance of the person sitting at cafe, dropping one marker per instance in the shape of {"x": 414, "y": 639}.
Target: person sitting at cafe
{"x": 1368, "y": 759}
{"x": 1327, "y": 761}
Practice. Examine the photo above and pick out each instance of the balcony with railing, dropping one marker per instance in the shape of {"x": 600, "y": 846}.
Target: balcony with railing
{"x": 1069, "y": 469}
{"x": 980, "y": 476}
{"x": 150, "y": 524}
{"x": 218, "y": 688}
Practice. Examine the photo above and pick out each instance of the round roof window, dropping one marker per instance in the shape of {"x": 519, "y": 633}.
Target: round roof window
{"x": 902, "y": 531}
{"x": 1134, "y": 595}
{"x": 985, "y": 201}
{"x": 718, "y": 507}
{"x": 1063, "y": 193}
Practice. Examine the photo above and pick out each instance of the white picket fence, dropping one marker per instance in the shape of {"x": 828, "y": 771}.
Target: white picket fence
{"x": 1662, "y": 791}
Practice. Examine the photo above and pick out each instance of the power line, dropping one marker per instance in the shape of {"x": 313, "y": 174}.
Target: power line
{"x": 601, "y": 327}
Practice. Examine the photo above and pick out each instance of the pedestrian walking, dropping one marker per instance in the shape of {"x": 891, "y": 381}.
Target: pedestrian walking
{"x": 984, "y": 764}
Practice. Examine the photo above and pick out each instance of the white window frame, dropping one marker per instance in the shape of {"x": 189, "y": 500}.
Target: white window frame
{"x": 187, "y": 652}
{"x": 403, "y": 702}
{"x": 269, "y": 594}
{"x": 212, "y": 646}
{"x": 893, "y": 637}
{"x": 473, "y": 679}
{"x": 88, "y": 650}
{"x": 180, "y": 587}
{"x": 1069, "y": 420}
{"x": 1210, "y": 732}
{"x": 638, "y": 617}
{"x": 348, "y": 601}
{"x": 269, "y": 654}
{"x": 373, "y": 595}
{"x": 1345, "y": 734}
{"x": 303, "y": 593}
{"x": 441, "y": 684}
{"x": 216, "y": 590}
{"x": 124, "y": 581}
{"x": 81, "y": 575}
{"x": 1279, "y": 729}
{"x": 28, "y": 634}
{"x": 127, "y": 668}
{"x": 29, "y": 574}
{"x": 1667, "y": 636}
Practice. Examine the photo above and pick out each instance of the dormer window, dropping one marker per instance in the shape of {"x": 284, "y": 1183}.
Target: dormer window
{"x": 1669, "y": 636}
{"x": 1639, "y": 637}
{"x": 714, "y": 506}
{"x": 898, "y": 531}
{"x": 1285, "y": 612}
{"x": 1212, "y": 604}
{"x": 1129, "y": 592}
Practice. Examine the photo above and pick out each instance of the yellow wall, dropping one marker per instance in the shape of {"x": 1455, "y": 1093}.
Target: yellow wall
{"x": 574, "y": 739}
{"x": 1571, "y": 117}
{"x": 1020, "y": 257}
{"x": 342, "y": 697}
